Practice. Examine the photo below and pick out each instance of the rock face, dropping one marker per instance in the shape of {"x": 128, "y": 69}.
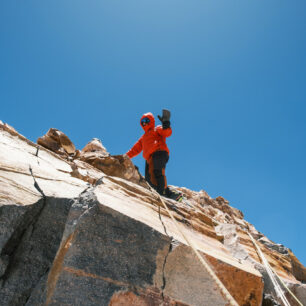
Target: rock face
{"x": 83, "y": 228}
{"x": 58, "y": 142}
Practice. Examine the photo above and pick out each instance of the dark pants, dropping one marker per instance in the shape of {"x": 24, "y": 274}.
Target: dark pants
{"x": 155, "y": 171}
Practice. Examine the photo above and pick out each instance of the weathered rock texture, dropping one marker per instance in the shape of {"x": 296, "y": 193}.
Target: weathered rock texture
{"x": 82, "y": 228}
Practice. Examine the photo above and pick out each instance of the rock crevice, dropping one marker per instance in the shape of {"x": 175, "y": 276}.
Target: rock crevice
{"x": 32, "y": 247}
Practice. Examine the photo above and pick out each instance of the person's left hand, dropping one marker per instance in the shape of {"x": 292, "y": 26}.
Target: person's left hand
{"x": 166, "y": 116}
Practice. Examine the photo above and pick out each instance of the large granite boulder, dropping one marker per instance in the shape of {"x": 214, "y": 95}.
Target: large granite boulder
{"x": 82, "y": 228}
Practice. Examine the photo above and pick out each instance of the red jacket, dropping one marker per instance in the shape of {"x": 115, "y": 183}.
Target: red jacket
{"x": 154, "y": 139}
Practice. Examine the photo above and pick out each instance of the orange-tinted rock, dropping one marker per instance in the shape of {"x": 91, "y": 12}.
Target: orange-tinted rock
{"x": 148, "y": 297}
{"x": 246, "y": 289}
{"x": 298, "y": 270}
{"x": 57, "y": 141}
{"x": 113, "y": 165}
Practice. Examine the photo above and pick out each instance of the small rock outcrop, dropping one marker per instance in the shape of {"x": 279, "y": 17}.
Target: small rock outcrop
{"x": 95, "y": 154}
{"x": 81, "y": 227}
{"x": 57, "y": 142}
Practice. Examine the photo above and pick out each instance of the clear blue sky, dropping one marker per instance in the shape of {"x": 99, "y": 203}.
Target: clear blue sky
{"x": 233, "y": 73}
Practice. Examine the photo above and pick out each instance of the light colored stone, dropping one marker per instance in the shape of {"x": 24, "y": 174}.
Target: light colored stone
{"x": 95, "y": 145}
{"x": 115, "y": 241}
{"x": 50, "y": 171}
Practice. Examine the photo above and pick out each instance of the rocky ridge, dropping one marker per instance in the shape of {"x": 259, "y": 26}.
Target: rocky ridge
{"x": 81, "y": 227}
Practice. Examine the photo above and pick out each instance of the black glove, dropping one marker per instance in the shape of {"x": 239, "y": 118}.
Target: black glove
{"x": 166, "y": 124}
{"x": 165, "y": 119}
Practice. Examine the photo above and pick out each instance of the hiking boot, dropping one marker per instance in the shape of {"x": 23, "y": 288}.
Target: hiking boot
{"x": 173, "y": 194}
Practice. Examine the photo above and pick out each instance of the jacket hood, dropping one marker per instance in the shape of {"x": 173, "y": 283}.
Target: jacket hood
{"x": 152, "y": 121}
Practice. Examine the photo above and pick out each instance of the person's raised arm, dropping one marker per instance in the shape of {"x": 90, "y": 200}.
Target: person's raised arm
{"x": 136, "y": 149}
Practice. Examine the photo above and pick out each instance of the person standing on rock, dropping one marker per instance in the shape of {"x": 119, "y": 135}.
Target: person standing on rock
{"x": 155, "y": 152}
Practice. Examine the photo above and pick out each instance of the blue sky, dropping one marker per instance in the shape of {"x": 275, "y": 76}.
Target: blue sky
{"x": 233, "y": 74}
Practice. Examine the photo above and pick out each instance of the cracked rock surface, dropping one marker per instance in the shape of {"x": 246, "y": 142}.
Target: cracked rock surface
{"x": 31, "y": 249}
{"x": 82, "y": 228}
